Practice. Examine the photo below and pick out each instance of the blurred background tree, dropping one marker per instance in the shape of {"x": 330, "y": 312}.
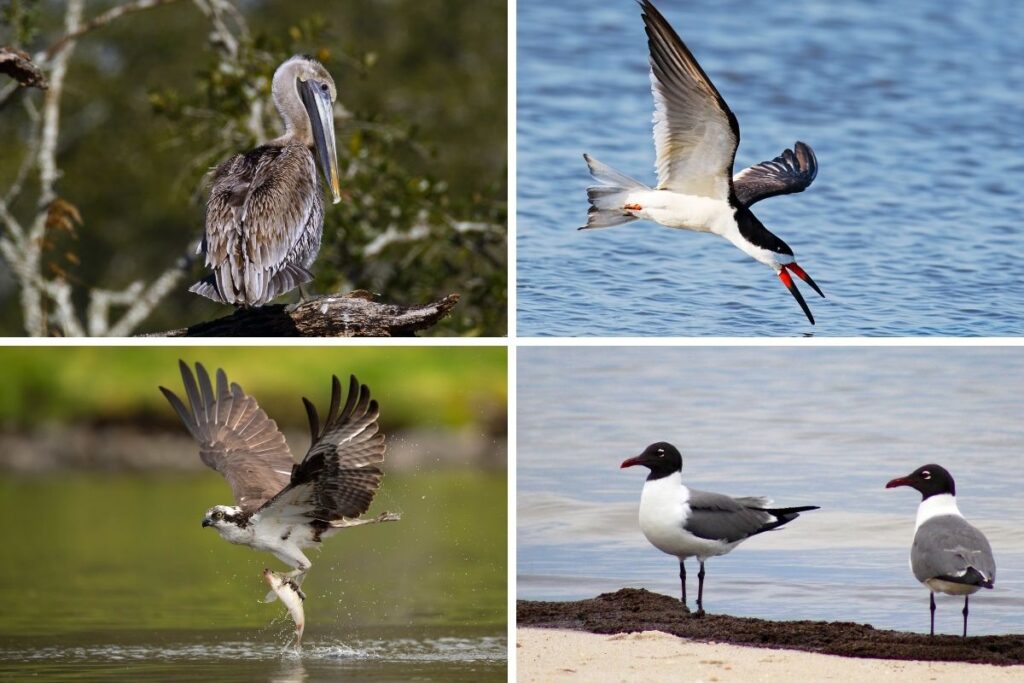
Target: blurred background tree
{"x": 154, "y": 99}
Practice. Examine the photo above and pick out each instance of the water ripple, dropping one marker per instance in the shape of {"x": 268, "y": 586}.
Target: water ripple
{"x": 911, "y": 227}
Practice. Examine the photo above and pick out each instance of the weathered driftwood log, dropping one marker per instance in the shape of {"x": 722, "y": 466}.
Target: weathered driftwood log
{"x": 351, "y": 315}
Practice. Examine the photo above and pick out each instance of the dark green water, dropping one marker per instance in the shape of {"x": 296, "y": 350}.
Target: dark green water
{"x": 111, "y": 577}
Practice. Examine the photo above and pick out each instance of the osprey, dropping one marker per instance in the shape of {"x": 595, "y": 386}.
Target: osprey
{"x": 281, "y": 506}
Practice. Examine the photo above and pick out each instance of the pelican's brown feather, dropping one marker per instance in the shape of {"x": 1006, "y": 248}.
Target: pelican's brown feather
{"x": 264, "y": 222}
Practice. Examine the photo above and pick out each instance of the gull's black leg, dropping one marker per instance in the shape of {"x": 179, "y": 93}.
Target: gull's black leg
{"x": 931, "y": 597}
{"x": 682, "y": 580}
{"x": 965, "y": 615}
{"x": 700, "y": 590}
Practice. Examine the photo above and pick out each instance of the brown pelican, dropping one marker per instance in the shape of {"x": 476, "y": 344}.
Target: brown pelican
{"x": 265, "y": 215}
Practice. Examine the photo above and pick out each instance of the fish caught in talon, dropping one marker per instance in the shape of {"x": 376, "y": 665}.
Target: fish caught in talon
{"x": 292, "y": 598}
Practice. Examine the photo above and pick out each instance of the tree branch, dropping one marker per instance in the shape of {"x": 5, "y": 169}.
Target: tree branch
{"x": 143, "y": 305}
{"x": 352, "y": 315}
{"x": 102, "y": 20}
{"x": 22, "y": 246}
{"x": 32, "y": 283}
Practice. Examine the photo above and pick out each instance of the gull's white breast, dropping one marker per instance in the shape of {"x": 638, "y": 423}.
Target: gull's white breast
{"x": 664, "y": 503}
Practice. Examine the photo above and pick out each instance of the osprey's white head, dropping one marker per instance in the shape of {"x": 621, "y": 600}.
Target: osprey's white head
{"x": 230, "y": 522}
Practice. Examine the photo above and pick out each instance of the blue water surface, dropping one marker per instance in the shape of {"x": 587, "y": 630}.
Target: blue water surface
{"x": 912, "y": 227}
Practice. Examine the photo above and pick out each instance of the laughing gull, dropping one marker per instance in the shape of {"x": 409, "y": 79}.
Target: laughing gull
{"x": 949, "y": 555}
{"x": 696, "y": 136}
{"x": 686, "y": 522}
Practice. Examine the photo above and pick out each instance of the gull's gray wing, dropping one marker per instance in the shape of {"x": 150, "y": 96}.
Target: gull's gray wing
{"x": 792, "y": 171}
{"x": 695, "y": 132}
{"x": 949, "y": 548}
{"x": 718, "y": 517}
{"x": 235, "y": 436}
{"x": 340, "y": 474}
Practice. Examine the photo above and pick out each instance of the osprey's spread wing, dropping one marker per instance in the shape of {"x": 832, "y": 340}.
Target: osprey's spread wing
{"x": 340, "y": 474}
{"x": 792, "y": 171}
{"x": 235, "y": 436}
{"x": 695, "y": 132}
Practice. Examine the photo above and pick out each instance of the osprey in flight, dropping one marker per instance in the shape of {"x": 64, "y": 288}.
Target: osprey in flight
{"x": 282, "y": 506}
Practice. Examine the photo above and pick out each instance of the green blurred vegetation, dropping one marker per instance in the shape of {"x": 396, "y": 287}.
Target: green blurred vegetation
{"x": 149, "y": 106}
{"x": 127, "y": 552}
{"x": 416, "y": 386}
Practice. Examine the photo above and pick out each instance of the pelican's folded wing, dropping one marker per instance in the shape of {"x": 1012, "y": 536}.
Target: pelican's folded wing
{"x": 235, "y": 436}
{"x": 792, "y": 171}
{"x": 260, "y": 205}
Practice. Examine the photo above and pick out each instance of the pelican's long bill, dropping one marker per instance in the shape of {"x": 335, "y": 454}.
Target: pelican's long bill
{"x": 317, "y": 100}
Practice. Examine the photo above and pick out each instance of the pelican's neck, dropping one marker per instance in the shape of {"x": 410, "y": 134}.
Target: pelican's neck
{"x": 297, "y": 129}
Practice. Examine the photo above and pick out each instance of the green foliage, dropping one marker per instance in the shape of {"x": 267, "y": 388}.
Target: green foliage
{"x": 20, "y": 21}
{"x": 416, "y": 386}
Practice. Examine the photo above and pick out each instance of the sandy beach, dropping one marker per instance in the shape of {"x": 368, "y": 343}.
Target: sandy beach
{"x": 560, "y": 655}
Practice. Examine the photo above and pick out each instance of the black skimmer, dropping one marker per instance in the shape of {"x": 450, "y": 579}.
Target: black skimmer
{"x": 696, "y": 136}
{"x": 948, "y": 555}
{"x": 686, "y": 522}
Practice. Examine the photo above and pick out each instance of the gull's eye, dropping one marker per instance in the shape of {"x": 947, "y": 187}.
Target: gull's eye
{"x": 926, "y": 475}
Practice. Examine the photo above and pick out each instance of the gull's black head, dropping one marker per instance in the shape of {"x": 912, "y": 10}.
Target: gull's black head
{"x": 661, "y": 458}
{"x": 224, "y": 516}
{"x": 929, "y": 480}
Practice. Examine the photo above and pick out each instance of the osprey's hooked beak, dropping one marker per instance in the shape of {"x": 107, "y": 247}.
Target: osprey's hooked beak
{"x": 207, "y": 522}
{"x": 316, "y": 97}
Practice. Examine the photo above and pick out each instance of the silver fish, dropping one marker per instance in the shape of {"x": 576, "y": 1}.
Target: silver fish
{"x": 292, "y": 598}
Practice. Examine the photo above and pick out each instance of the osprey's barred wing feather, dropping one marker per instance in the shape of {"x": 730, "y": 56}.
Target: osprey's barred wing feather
{"x": 235, "y": 436}
{"x": 340, "y": 474}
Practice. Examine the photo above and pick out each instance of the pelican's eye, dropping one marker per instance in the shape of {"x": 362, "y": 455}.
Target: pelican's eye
{"x": 323, "y": 86}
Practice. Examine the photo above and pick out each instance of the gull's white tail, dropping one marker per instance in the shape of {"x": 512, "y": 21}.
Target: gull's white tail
{"x": 608, "y": 199}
